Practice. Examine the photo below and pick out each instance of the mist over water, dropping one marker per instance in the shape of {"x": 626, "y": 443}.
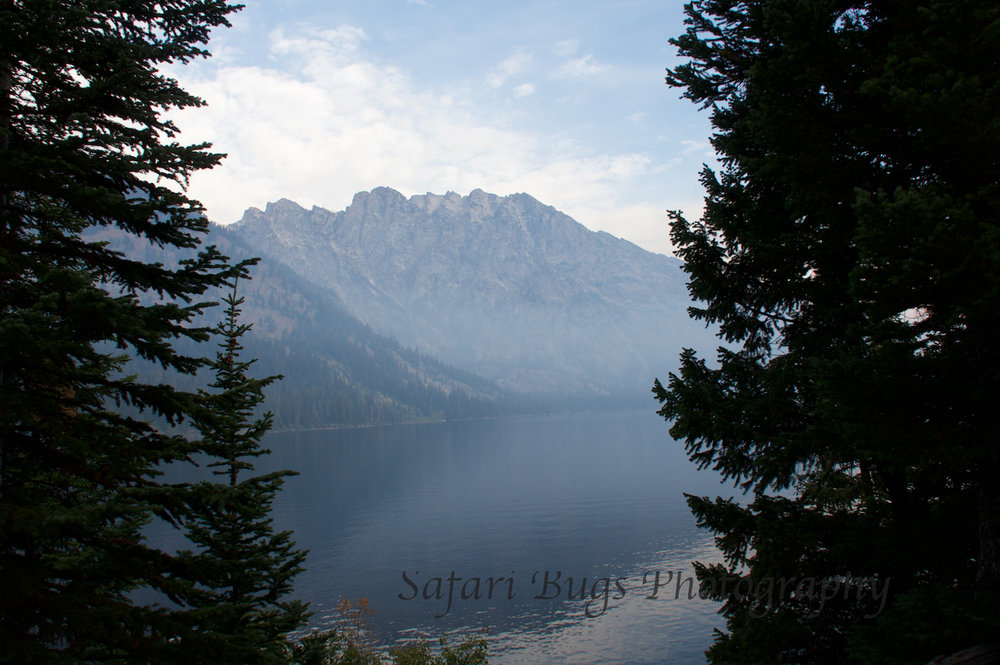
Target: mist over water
{"x": 548, "y": 507}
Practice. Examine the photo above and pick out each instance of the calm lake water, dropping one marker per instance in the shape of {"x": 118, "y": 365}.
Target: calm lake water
{"x": 590, "y": 503}
{"x": 546, "y": 533}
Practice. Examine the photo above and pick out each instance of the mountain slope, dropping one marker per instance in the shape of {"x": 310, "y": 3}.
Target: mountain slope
{"x": 337, "y": 371}
{"x": 508, "y": 288}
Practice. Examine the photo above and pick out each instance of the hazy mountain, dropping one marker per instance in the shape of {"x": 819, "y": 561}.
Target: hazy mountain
{"x": 505, "y": 287}
{"x": 337, "y": 370}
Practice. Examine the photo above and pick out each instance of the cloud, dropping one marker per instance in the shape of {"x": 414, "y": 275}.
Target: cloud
{"x": 703, "y": 147}
{"x": 323, "y": 121}
{"x": 515, "y": 64}
{"x": 566, "y": 47}
{"x": 524, "y": 90}
{"x": 336, "y": 43}
{"x": 581, "y": 67}
{"x": 644, "y": 224}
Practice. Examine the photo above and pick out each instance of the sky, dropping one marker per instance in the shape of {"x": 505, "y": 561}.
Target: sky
{"x": 316, "y": 100}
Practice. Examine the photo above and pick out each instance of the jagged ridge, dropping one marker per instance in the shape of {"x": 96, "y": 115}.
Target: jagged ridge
{"x": 505, "y": 287}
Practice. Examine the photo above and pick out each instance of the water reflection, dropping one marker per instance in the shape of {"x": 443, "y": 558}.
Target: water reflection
{"x": 594, "y": 496}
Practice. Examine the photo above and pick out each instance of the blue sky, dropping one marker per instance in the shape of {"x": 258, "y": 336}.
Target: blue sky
{"x": 315, "y": 101}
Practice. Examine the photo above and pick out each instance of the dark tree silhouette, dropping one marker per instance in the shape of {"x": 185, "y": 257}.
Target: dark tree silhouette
{"x": 84, "y": 144}
{"x": 239, "y": 608}
{"x": 850, "y": 253}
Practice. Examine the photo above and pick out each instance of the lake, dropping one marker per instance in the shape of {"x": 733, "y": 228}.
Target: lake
{"x": 548, "y": 533}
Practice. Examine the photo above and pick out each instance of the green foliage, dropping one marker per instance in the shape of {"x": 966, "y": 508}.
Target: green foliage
{"x": 330, "y": 647}
{"x": 336, "y": 648}
{"x": 937, "y": 619}
{"x": 351, "y": 644}
{"x": 84, "y": 144}
{"x": 243, "y": 570}
{"x": 86, "y": 149}
{"x": 469, "y": 652}
{"x": 850, "y": 253}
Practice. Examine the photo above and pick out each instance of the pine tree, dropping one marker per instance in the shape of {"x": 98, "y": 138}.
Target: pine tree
{"x": 84, "y": 146}
{"x": 238, "y": 610}
{"x": 850, "y": 253}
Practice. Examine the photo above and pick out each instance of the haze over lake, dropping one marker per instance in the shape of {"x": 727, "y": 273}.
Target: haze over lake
{"x": 519, "y": 500}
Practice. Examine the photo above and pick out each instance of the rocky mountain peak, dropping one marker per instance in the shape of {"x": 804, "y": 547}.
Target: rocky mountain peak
{"x": 282, "y": 207}
{"x": 506, "y": 287}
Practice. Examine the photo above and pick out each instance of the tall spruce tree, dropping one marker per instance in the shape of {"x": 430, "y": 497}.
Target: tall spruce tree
{"x": 239, "y": 608}
{"x": 849, "y": 251}
{"x": 84, "y": 144}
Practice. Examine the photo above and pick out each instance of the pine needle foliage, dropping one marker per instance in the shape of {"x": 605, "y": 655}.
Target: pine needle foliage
{"x": 849, "y": 252}
{"x": 239, "y": 609}
{"x": 86, "y": 147}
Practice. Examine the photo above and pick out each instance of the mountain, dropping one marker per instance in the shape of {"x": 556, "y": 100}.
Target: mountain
{"x": 337, "y": 371}
{"x": 504, "y": 287}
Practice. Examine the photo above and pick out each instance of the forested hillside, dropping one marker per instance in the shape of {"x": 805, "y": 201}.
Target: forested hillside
{"x": 337, "y": 371}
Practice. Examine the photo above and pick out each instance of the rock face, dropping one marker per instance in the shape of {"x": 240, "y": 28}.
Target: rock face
{"x": 508, "y": 288}
{"x": 337, "y": 372}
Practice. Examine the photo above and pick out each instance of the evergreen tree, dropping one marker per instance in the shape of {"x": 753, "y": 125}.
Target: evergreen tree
{"x": 84, "y": 144}
{"x": 849, "y": 251}
{"x": 238, "y": 609}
